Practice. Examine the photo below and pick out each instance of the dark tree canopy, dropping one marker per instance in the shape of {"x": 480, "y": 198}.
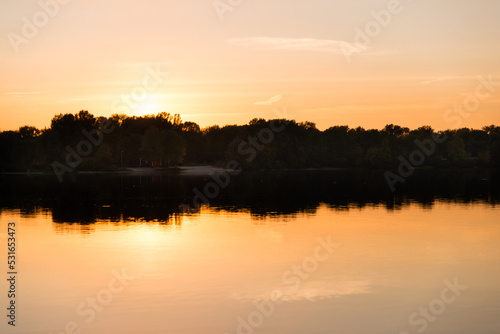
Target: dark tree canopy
{"x": 165, "y": 140}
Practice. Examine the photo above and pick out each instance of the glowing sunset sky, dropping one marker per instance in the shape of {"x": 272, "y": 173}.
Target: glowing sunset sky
{"x": 291, "y": 53}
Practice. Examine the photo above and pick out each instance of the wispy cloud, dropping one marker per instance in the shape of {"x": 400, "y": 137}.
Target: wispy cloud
{"x": 297, "y": 44}
{"x": 448, "y": 77}
{"x": 22, "y": 93}
{"x": 271, "y": 100}
{"x": 83, "y": 99}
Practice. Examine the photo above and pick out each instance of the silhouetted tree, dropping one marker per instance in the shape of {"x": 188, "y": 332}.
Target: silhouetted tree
{"x": 256, "y": 145}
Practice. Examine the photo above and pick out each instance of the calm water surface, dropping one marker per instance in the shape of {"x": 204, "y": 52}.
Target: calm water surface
{"x": 250, "y": 268}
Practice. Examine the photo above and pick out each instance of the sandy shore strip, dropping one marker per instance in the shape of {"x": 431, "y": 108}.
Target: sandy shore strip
{"x": 201, "y": 170}
{"x": 185, "y": 170}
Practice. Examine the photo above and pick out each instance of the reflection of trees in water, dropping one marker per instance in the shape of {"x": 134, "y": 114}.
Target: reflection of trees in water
{"x": 116, "y": 213}
{"x": 165, "y": 198}
{"x": 89, "y": 227}
{"x": 270, "y": 194}
{"x": 69, "y": 228}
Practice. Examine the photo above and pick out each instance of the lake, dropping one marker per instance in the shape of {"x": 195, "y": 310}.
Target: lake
{"x": 274, "y": 252}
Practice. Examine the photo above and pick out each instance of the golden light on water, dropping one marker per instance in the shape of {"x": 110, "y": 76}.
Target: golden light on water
{"x": 215, "y": 265}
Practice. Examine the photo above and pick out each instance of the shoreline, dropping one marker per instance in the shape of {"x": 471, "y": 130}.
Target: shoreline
{"x": 208, "y": 170}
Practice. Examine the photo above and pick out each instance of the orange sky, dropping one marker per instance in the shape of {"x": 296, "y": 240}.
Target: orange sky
{"x": 421, "y": 59}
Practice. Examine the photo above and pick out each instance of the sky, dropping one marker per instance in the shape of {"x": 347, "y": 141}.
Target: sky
{"x": 359, "y": 63}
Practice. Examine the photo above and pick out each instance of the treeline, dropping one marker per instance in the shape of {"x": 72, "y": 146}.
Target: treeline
{"x": 84, "y": 142}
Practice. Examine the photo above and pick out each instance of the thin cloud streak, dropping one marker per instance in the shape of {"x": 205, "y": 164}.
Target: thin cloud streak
{"x": 295, "y": 44}
{"x": 446, "y": 78}
{"x": 271, "y": 100}
{"x": 23, "y": 93}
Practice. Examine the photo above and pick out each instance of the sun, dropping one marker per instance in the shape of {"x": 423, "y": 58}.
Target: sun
{"x": 150, "y": 105}
{"x": 147, "y": 109}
